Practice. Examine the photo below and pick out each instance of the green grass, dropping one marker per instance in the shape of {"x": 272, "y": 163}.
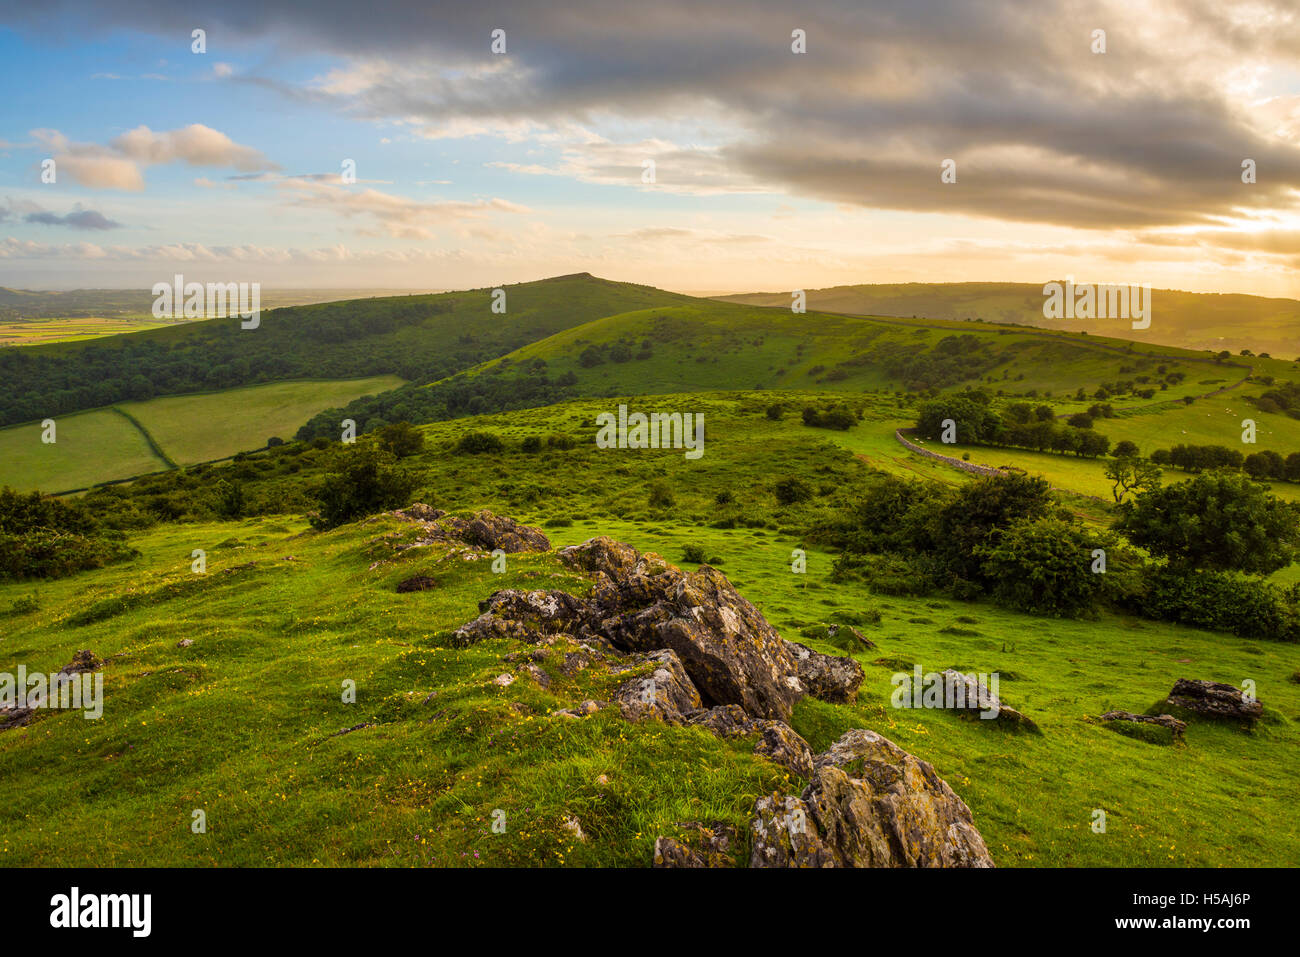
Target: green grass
{"x": 91, "y": 447}
{"x": 242, "y": 724}
{"x": 103, "y": 445}
{"x": 200, "y": 428}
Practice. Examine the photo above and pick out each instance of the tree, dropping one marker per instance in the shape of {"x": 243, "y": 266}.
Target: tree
{"x": 1128, "y": 473}
{"x": 362, "y": 480}
{"x": 979, "y": 512}
{"x": 1218, "y": 521}
{"x": 1125, "y": 449}
{"x": 1044, "y": 566}
{"x": 402, "y": 439}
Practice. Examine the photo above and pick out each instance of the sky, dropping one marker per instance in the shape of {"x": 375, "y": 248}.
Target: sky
{"x": 389, "y": 145}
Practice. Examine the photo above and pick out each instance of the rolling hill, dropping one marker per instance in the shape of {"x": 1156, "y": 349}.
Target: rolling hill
{"x": 1197, "y": 321}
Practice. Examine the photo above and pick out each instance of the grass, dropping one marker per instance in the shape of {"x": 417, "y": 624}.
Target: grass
{"x": 103, "y": 445}
{"x": 237, "y": 420}
{"x": 91, "y": 447}
{"x": 244, "y": 723}
{"x": 31, "y": 332}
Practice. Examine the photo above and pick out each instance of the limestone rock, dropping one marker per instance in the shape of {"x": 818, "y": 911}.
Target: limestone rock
{"x": 1214, "y": 700}
{"x": 667, "y": 693}
{"x": 869, "y": 804}
{"x": 827, "y": 677}
{"x": 703, "y": 846}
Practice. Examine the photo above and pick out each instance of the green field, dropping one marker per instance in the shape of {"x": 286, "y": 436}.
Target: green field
{"x": 243, "y": 724}
{"x": 240, "y": 419}
{"x": 33, "y": 332}
{"x": 105, "y": 445}
{"x": 90, "y": 447}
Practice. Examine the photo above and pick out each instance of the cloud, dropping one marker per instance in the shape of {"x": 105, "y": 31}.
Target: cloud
{"x": 119, "y": 165}
{"x": 79, "y": 218}
{"x": 396, "y": 216}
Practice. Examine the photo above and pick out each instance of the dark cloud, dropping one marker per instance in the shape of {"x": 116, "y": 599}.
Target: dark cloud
{"x": 77, "y": 219}
{"x": 1041, "y": 129}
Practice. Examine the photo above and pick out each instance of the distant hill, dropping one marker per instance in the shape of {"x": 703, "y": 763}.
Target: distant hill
{"x": 19, "y": 304}
{"x": 1190, "y": 320}
{"x": 419, "y": 338}
{"x": 701, "y": 344}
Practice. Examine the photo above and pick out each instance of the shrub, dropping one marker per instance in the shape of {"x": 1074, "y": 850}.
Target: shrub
{"x": 792, "y": 490}
{"x": 693, "y": 554}
{"x": 661, "y": 494}
{"x": 475, "y": 443}
{"x": 362, "y": 481}
{"x": 1221, "y": 602}
{"x": 402, "y": 439}
{"x": 1044, "y": 566}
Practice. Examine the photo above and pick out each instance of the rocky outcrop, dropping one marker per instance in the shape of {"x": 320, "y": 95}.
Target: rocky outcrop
{"x": 869, "y": 804}
{"x": 81, "y": 663}
{"x": 666, "y": 693}
{"x": 777, "y": 741}
{"x": 484, "y": 531}
{"x": 1176, "y": 727}
{"x": 640, "y": 603}
{"x": 827, "y": 677}
{"x": 525, "y": 615}
{"x": 1211, "y": 699}
{"x": 416, "y": 583}
{"x": 702, "y": 846}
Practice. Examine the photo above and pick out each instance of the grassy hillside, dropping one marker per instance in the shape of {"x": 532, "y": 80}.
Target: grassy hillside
{"x": 1188, "y": 319}
{"x": 115, "y": 443}
{"x": 420, "y": 338}
{"x": 246, "y": 722}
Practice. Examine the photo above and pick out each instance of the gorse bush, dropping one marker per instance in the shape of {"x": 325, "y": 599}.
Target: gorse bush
{"x": 475, "y": 443}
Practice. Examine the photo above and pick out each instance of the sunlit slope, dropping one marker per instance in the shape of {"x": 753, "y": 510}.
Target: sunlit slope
{"x": 724, "y": 346}
{"x": 1192, "y": 320}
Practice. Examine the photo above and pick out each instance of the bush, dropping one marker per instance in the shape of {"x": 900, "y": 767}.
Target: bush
{"x": 532, "y": 445}
{"x": 475, "y": 443}
{"x": 1044, "y": 566}
{"x": 661, "y": 494}
{"x": 1221, "y": 602}
{"x": 792, "y": 490}
{"x": 402, "y": 439}
{"x": 362, "y": 481}
{"x": 693, "y": 555}
{"x": 44, "y": 537}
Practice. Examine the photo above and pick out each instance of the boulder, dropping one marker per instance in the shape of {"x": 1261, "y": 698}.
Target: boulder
{"x": 869, "y": 804}
{"x": 827, "y": 677}
{"x": 968, "y": 694}
{"x": 666, "y": 693}
{"x": 701, "y": 846}
{"x": 777, "y": 741}
{"x": 416, "y": 583}
{"x": 1214, "y": 700}
{"x": 484, "y": 531}
{"x": 525, "y": 615}
{"x": 81, "y": 663}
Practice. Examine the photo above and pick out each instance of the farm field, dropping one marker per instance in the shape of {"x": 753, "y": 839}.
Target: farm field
{"x": 200, "y": 428}
{"x": 91, "y": 447}
{"x": 104, "y": 445}
{"x": 33, "y": 332}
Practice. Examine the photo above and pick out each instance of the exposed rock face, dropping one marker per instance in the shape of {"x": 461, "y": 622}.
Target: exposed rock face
{"x": 666, "y": 693}
{"x": 1176, "y": 727}
{"x": 484, "y": 531}
{"x": 869, "y": 804}
{"x": 525, "y": 615}
{"x": 706, "y": 847}
{"x": 826, "y": 676}
{"x": 974, "y": 697}
{"x": 1214, "y": 700}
